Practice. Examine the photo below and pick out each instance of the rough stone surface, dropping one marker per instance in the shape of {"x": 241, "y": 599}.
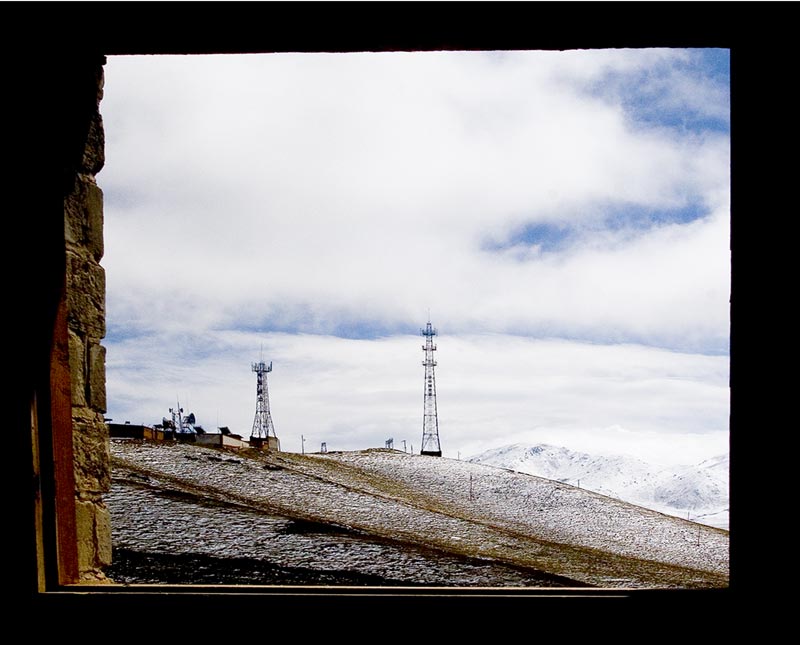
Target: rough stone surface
{"x": 74, "y": 216}
{"x": 76, "y": 368}
{"x": 86, "y": 289}
{"x": 83, "y": 218}
{"x": 97, "y": 377}
{"x": 94, "y": 157}
{"x": 94, "y": 222}
{"x": 92, "y": 455}
{"x": 103, "y": 534}
{"x": 84, "y": 521}
{"x": 93, "y": 524}
{"x": 100, "y": 82}
{"x": 86, "y": 295}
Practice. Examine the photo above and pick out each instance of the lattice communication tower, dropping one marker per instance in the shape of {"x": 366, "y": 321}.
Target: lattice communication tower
{"x": 262, "y": 424}
{"x": 430, "y": 419}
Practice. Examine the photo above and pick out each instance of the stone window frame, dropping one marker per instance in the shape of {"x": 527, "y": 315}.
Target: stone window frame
{"x": 47, "y": 395}
{"x": 62, "y": 392}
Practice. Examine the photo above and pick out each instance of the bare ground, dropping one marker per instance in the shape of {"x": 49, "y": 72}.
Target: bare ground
{"x": 455, "y": 507}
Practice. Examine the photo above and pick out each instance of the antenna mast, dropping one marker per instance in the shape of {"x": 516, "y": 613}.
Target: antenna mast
{"x": 263, "y": 429}
{"x": 430, "y": 419}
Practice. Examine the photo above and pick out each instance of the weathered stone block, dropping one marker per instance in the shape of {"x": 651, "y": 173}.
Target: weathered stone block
{"x": 94, "y": 156}
{"x": 97, "y": 377}
{"x": 101, "y": 82}
{"x": 93, "y": 528}
{"x": 86, "y": 295}
{"x": 83, "y": 217}
{"x": 92, "y": 456}
{"x": 94, "y": 221}
{"x": 77, "y": 366}
{"x": 85, "y": 529}
{"x": 74, "y": 214}
{"x": 103, "y": 535}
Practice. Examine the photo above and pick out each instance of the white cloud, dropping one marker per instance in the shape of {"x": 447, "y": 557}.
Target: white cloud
{"x": 306, "y": 192}
{"x": 492, "y": 389}
{"x": 347, "y": 183}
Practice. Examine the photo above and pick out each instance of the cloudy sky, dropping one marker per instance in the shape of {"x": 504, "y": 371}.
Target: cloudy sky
{"x": 563, "y": 216}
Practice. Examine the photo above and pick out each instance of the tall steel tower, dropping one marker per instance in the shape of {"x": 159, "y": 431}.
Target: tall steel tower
{"x": 262, "y": 424}
{"x": 430, "y": 420}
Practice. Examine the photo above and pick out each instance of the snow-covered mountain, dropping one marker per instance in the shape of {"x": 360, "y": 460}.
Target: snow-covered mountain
{"x": 699, "y": 492}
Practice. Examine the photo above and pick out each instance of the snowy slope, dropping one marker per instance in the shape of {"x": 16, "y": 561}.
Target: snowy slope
{"x": 698, "y": 492}
{"x": 453, "y": 506}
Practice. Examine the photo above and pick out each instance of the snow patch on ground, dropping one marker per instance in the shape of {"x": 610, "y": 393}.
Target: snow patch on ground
{"x": 457, "y": 507}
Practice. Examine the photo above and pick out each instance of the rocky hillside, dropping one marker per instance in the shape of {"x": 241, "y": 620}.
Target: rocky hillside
{"x": 450, "y": 506}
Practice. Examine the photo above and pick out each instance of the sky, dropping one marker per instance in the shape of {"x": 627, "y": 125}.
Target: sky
{"x": 563, "y": 219}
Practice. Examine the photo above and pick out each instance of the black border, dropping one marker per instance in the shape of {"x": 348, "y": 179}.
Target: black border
{"x": 48, "y": 35}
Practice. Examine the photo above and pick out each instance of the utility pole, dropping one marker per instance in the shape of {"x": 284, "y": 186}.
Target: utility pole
{"x": 404, "y": 446}
{"x": 302, "y": 444}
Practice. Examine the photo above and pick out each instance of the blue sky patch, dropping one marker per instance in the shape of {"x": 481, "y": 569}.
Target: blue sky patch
{"x": 634, "y": 216}
{"x": 716, "y": 62}
{"x": 331, "y": 324}
{"x": 119, "y": 333}
{"x": 691, "y": 95}
{"x": 370, "y": 330}
{"x": 550, "y": 237}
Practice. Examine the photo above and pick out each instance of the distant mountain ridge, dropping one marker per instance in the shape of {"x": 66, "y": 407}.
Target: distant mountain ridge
{"x": 699, "y": 492}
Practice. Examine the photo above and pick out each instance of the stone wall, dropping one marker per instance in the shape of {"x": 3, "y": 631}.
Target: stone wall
{"x": 83, "y": 233}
